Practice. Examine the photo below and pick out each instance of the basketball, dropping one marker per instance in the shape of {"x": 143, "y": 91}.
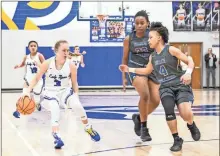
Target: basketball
{"x": 25, "y": 105}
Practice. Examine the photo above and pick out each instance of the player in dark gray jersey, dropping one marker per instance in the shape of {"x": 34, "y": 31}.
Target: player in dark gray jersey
{"x": 175, "y": 88}
{"x": 136, "y": 54}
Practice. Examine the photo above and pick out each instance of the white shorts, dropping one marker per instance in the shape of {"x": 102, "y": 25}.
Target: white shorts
{"x": 38, "y": 88}
{"x": 61, "y": 97}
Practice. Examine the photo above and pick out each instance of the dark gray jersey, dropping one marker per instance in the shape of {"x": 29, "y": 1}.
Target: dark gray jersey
{"x": 139, "y": 50}
{"x": 166, "y": 68}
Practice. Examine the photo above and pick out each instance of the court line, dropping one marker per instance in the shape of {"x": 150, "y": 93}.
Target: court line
{"x": 130, "y": 147}
{"x": 32, "y": 150}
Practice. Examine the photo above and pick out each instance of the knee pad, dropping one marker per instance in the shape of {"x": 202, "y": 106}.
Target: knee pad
{"x": 76, "y": 106}
{"x": 55, "y": 112}
{"x": 168, "y": 103}
{"x": 170, "y": 117}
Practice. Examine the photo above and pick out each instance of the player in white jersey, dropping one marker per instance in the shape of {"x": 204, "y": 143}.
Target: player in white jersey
{"x": 32, "y": 63}
{"x": 200, "y": 15}
{"x": 181, "y": 14}
{"x": 77, "y": 57}
{"x": 59, "y": 70}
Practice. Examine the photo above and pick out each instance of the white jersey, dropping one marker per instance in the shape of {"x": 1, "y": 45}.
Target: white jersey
{"x": 57, "y": 80}
{"x": 76, "y": 60}
{"x": 31, "y": 66}
{"x": 31, "y": 71}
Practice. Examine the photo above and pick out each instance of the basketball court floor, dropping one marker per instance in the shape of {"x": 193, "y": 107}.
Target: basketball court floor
{"x": 110, "y": 114}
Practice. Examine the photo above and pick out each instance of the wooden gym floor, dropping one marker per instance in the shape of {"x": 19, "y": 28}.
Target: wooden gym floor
{"x": 110, "y": 114}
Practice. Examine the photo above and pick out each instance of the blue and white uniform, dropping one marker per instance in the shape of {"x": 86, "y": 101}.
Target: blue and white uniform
{"x": 31, "y": 71}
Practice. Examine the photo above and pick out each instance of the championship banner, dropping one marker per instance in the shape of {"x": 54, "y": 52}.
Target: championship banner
{"x": 215, "y": 15}
{"x": 111, "y": 31}
{"x": 181, "y": 15}
{"x": 201, "y": 15}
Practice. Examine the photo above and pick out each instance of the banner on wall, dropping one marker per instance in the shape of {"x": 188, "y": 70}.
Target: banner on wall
{"x": 112, "y": 31}
{"x": 215, "y": 15}
{"x": 181, "y": 15}
{"x": 201, "y": 15}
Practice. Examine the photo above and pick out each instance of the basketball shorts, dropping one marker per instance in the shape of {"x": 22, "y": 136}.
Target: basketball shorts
{"x": 181, "y": 93}
{"x": 60, "y": 96}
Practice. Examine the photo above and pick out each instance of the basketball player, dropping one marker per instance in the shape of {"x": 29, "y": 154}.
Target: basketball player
{"x": 32, "y": 63}
{"x": 58, "y": 71}
{"x": 136, "y": 54}
{"x": 77, "y": 57}
{"x": 174, "y": 89}
{"x": 180, "y": 15}
{"x": 200, "y": 15}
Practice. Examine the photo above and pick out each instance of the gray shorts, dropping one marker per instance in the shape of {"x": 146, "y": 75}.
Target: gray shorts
{"x": 131, "y": 76}
{"x": 181, "y": 93}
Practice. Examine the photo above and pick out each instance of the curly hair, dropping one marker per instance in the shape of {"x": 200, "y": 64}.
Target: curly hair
{"x": 160, "y": 29}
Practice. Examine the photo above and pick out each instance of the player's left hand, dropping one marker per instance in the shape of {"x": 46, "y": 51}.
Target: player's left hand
{"x": 83, "y": 65}
{"x": 186, "y": 79}
{"x": 84, "y": 52}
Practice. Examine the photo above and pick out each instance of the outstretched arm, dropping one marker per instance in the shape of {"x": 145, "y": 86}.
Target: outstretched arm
{"x": 22, "y": 63}
{"x": 141, "y": 71}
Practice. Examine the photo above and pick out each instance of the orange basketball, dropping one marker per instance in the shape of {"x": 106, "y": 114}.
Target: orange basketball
{"x": 25, "y": 105}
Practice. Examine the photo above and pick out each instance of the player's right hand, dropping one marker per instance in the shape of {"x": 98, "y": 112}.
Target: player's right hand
{"x": 17, "y": 66}
{"x": 123, "y": 68}
{"x": 26, "y": 93}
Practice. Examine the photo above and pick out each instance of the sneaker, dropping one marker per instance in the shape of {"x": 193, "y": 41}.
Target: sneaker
{"x": 58, "y": 142}
{"x": 137, "y": 124}
{"x": 194, "y": 132}
{"x": 177, "y": 146}
{"x": 93, "y": 134}
{"x": 145, "y": 136}
{"x": 38, "y": 106}
{"x": 16, "y": 114}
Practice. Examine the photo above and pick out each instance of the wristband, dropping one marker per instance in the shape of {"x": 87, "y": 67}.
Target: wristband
{"x": 131, "y": 70}
{"x": 189, "y": 71}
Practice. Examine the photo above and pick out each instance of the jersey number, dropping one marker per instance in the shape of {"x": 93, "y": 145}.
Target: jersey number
{"x": 163, "y": 71}
{"x": 34, "y": 70}
{"x": 57, "y": 82}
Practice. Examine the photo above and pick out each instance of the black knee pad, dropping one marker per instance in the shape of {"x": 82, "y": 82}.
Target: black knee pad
{"x": 170, "y": 117}
{"x": 168, "y": 103}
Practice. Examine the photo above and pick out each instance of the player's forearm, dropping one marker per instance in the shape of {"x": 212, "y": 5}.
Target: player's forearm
{"x": 33, "y": 84}
{"x": 124, "y": 61}
{"x": 141, "y": 71}
{"x": 75, "y": 88}
{"x": 190, "y": 66}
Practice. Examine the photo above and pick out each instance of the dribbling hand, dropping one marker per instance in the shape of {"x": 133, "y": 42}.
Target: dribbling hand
{"x": 26, "y": 93}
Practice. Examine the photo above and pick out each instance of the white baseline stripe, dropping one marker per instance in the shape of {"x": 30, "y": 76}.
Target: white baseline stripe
{"x": 32, "y": 150}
